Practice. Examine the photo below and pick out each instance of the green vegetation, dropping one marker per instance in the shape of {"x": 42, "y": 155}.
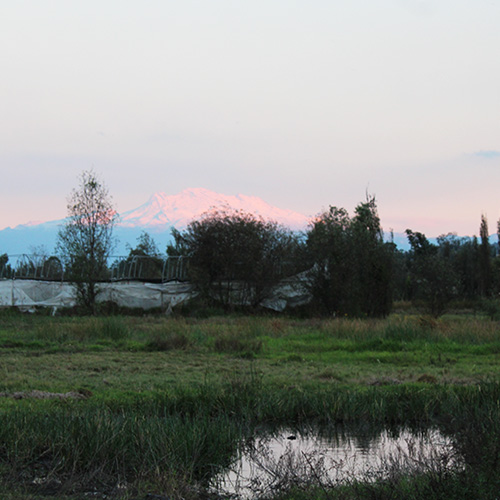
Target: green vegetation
{"x": 236, "y": 257}
{"x": 339, "y": 266}
{"x": 349, "y": 265}
{"x": 86, "y": 240}
{"x": 125, "y": 406}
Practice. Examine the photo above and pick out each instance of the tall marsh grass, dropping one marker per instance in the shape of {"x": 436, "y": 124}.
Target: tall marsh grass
{"x": 247, "y": 334}
{"x": 82, "y": 329}
{"x": 413, "y": 328}
{"x": 99, "y": 445}
{"x": 193, "y": 432}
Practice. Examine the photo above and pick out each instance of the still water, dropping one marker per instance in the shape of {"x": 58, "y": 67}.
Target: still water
{"x": 275, "y": 461}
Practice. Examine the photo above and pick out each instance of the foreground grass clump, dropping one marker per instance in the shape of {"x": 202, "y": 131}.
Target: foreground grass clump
{"x": 193, "y": 433}
{"x": 96, "y": 446}
{"x": 162, "y": 404}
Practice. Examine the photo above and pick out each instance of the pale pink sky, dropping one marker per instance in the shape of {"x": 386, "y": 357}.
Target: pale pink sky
{"x": 304, "y": 104}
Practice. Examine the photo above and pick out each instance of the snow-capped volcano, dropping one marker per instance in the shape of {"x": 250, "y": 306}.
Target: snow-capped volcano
{"x": 179, "y": 210}
{"x": 157, "y": 216}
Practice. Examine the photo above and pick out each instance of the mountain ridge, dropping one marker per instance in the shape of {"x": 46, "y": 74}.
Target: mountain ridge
{"x": 180, "y": 209}
{"x": 157, "y": 215}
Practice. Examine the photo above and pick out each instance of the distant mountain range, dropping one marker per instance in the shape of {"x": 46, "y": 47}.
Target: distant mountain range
{"x": 157, "y": 216}
{"x": 162, "y": 211}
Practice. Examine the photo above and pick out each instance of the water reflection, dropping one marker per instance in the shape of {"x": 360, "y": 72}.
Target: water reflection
{"x": 276, "y": 461}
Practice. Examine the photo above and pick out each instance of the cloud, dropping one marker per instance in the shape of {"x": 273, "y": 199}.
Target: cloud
{"x": 489, "y": 155}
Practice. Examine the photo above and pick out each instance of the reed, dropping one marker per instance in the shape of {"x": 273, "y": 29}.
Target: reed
{"x": 96, "y": 445}
{"x": 193, "y": 432}
{"x": 394, "y": 331}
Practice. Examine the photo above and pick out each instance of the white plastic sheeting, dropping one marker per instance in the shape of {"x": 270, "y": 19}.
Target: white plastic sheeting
{"x": 291, "y": 292}
{"x": 33, "y": 293}
{"x": 147, "y": 295}
{"x": 29, "y": 294}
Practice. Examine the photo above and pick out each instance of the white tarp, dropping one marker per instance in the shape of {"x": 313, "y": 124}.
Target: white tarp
{"x": 147, "y": 295}
{"x": 291, "y": 292}
{"x": 33, "y": 293}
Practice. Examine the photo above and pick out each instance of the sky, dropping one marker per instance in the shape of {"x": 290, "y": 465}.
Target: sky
{"x": 304, "y": 104}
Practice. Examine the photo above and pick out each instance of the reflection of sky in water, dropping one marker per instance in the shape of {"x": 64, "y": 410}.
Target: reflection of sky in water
{"x": 276, "y": 460}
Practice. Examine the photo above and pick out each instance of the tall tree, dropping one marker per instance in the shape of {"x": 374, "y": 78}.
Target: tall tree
{"x": 374, "y": 261}
{"x": 5, "y": 268}
{"x": 485, "y": 275}
{"x": 86, "y": 240}
{"x": 351, "y": 266}
{"x": 144, "y": 261}
{"x": 498, "y": 234}
{"x": 329, "y": 247}
{"x": 462, "y": 254}
{"x": 432, "y": 280}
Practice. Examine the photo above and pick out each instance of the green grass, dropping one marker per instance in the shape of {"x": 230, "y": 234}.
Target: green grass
{"x": 155, "y": 348}
{"x": 167, "y": 400}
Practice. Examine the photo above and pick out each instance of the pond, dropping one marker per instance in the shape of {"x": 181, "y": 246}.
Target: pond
{"x": 274, "y": 461}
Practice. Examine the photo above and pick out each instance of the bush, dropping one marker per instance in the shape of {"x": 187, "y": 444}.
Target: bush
{"x": 168, "y": 341}
{"x": 231, "y": 343}
{"x": 236, "y": 258}
{"x": 111, "y": 327}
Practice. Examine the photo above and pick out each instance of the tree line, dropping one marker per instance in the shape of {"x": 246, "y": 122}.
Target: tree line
{"x": 239, "y": 258}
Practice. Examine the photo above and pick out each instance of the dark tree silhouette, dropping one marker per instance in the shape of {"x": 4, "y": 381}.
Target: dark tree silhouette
{"x": 433, "y": 281}
{"x": 351, "y": 266}
{"x": 485, "y": 274}
{"x": 85, "y": 242}
{"x": 235, "y": 257}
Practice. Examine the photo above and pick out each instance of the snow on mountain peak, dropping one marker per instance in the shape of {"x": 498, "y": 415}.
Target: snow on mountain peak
{"x": 157, "y": 197}
{"x": 162, "y": 210}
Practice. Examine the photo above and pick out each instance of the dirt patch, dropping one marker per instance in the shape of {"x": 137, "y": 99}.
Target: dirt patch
{"x": 425, "y": 378}
{"x": 385, "y": 381}
{"x": 83, "y": 394}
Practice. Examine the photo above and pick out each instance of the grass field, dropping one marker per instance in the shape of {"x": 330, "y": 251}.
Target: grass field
{"x": 126, "y": 406}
